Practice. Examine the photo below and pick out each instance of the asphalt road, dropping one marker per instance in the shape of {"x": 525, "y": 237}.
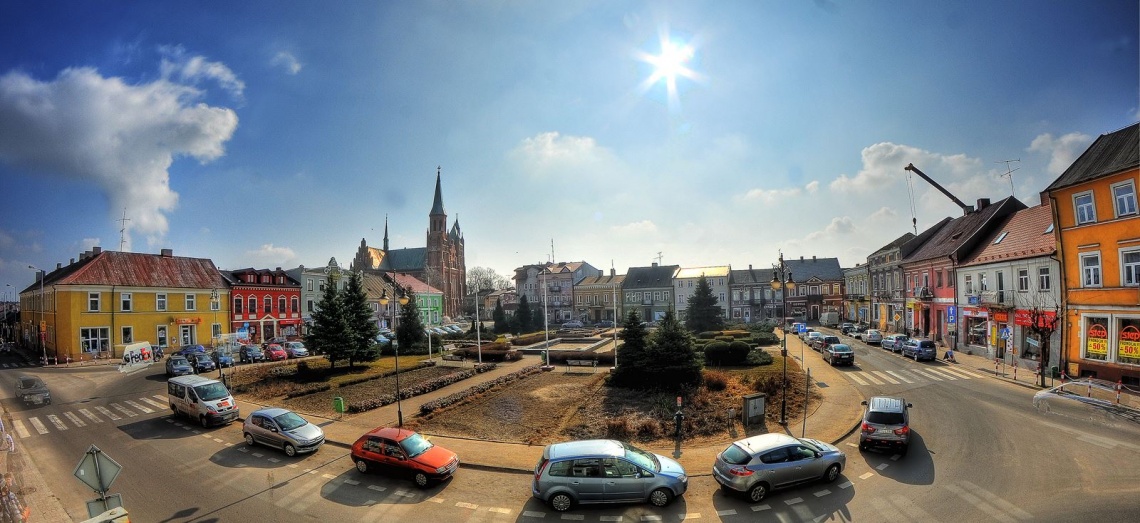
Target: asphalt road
{"x": 980, "y": 453}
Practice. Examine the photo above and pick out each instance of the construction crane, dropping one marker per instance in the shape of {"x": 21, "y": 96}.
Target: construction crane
{"x": 914, "y": 219}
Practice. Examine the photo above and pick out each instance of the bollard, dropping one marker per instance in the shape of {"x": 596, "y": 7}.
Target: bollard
{"x": 1014, "y": 370}
{"x": 1090, "y": 389}
{"x": 1119, "y": 385}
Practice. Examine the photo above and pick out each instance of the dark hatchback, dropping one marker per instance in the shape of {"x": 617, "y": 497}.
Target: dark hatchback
{"x": 838, "y": 354}
{"x": 250, "y": 354}
{"x": 201, "y": 362}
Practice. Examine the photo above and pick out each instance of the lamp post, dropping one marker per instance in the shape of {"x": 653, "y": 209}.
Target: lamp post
{"x": 384, "y": 301}
{"x": 478, "y": 329}
{"x": 782, "y": 281}
{"x": 43, "y": 334}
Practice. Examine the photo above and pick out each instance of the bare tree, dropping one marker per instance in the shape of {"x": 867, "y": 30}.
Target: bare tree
{"x": 483, "y": 278}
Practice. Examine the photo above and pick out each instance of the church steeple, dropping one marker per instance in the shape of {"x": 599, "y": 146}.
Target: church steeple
{"x": 437, "y": 205}
{"x": 385, "y": 234}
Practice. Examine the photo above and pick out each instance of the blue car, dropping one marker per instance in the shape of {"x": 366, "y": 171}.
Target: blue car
{"x": 224, "y": 359}
{"x": 191, "y": 349}
{"x": 920, "y": 350}
{"x": 178, "y": 365}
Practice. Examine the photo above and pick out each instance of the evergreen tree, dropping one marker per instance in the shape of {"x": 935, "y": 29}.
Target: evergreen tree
{"x": 630, "y": 357}
{"x": 704, "y": 314}
{"x": 362, "y": 328}
{"x": 410, "y": 334}
{"x": 500, "y": 317}
{"x": 330, "y": 333}
{"x": 523, "y": 317}
{"x": 672, "y": 360}
{"x": 538, "y": 317}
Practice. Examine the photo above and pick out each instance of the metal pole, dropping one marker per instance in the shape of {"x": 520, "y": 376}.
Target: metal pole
{"x": 807, "y": 388}
{"x": 784, "y": 350}
{"x": 545, "y": 314}
{"x": 478, "y": 328}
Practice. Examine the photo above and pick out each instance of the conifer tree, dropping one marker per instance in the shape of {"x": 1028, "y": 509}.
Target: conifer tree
{"x": 410, "y": 334}
{"x": 703, "y": 313}
{"x": 672, "y": 359}
{"x": 630, "y": 357}
{"x": 523, "y": 317}
{"x": 500, "y": 317}
{"x": 358, "y": 316}
{"x": 330, "y": 332}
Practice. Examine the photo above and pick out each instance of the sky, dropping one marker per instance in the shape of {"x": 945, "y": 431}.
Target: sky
{"x": 280, "y": 133}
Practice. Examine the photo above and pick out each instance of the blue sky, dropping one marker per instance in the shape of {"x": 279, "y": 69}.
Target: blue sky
{"x": 274, "y": 134}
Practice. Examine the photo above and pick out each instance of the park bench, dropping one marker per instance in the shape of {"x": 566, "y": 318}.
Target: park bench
{"x": 570, "y": 364}
{"x": 453, "y": 357}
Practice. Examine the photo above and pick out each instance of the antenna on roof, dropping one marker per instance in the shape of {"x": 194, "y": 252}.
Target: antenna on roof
{"x": 1009, "y": 173}
{"x": 658, "y": 258}
{"x": 123, "y": 229}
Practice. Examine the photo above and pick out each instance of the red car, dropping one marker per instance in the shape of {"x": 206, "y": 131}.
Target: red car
{"x": 403, "y": 452}
{"x": 275, "y": 352}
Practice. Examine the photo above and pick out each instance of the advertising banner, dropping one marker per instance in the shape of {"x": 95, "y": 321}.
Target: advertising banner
{"x": 1129, "y": 342}
{"x": 1097, "y": 340}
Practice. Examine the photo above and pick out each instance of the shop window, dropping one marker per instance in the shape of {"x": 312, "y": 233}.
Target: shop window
{"x": 1128, "y": 341}
{"x": 1094, "y": 338}
{"x": 1031, "y": 346}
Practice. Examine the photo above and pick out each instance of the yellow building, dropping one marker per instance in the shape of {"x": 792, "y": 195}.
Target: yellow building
{"x": 94, "y": 306}
{"x": 1098, "y": 243}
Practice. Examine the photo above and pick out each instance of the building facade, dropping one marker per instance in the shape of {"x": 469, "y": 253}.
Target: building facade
{"x": 266, "y": 304}
{"x": 552, "y": 284}
{"x": 887, "y": 294}
{"x": 685, "y": 285}
{"x": 856, "y": 296}
{"x": 819, "y": 287}
{"x": 751, "y": 298}
{"x": 598, "y": 297}
{"x": 649, "y": 291}
{"x": 313, "y": 281}
{"x": 1094, "y": 205}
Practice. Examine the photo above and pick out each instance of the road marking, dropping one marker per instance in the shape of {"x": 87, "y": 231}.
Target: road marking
{"x": 228, "y": 444}
{"x": 243, "y": 449}
{"x": 888, "y": 512}
{"x": 291, "y": 465}
{"x": 377, "y": 488}
{"x": 651, "y": 518}
{"x": 346, "y": 481}
{"x": 435, "y": 500}
{"x": 154, "y": 404}
{"x": 945, "y": 375}
{"x": 846, "y": 484}
{"x": 124, "y": 410}
{"x": 822, "y": 493}
{"x": 533, "y": 514}
{"x": 464, "y": 504}
{"x": 258, "y": 455}
{"x": 75, "y": 419}
{"x": 871, "y": 378}
{"x": 573, "y": 517}
{"x": 404, "y": 493}
{"x": 899, "y": 376}
{"x": 21, "y": 429}
{"x": 195, "y": 431}
{"x": 277, "y": 460}
{"x": 218, "y": 440}
{"x": 856, "y": 378}
{"x": 866, "y": 475}
{"x": 849, "y": 444}
{"x": 993, "y": 511}
{"x": 758, "y": 508}
{"x": 929, "y": 376}
{"x": 993, "y": 498}
{"x": 618, "y": 518}
{"x": 160, "y": 397}
{"x": 912, "y": 511}
{"x": 56, "y": 421}
{"x": 145, "y": 410}
{"x": 207, "y": 436}
{"x": 882, "y": 466}
{"x": 793, "y": 501}
{"x": 326, "y": 476}
{"x": 109, "y": 414}
{"x": 91, "y": 416}
{"x": 964, "y": 374}
{"x": 499, "y": 510}
{"x": 729, "y": 512}
{"x": 38, "y": 425}
{"x": 886, "y": 377}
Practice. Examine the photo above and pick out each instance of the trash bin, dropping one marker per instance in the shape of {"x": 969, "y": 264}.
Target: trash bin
{"x": 338, "y": 405}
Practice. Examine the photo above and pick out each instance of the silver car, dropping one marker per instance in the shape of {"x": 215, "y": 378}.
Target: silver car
{"x": 760, "y": 464}
{"x": 282, "y": 429}
{"x": 872, "y": 336}
{"x": 605, "y": 471}
{"x": 295, "y": 349}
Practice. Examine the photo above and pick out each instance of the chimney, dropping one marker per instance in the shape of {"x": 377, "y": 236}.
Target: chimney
{"x": 279, "y": 269}
{"x": 983, "y": 203}
{"x": 654, "y": 264}
{"x": 813, "y": 257}
{"x": 613, "y": 272}
{"x": 58, "y": 266}
{"x": 601, "y": 273}
{"x": 72, "y": 262}
{"x": 749, "y": 266}
{"x": 167, "y": 253}
{"x": 801, "y": 258}
{"x": 96, "y": 250}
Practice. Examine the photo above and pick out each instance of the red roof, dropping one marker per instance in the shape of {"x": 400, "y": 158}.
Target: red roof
{"x": 415, "y": 285}
{"x": 1027, "y": 235}
{"x": 140, "y": 270}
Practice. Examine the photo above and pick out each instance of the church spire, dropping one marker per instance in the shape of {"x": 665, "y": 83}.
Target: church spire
{"x": 385, "y": 234}
{"x": 437, "y": 206}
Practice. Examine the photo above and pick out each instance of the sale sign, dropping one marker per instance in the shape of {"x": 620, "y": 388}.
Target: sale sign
{"x": 1129, "y": 342}
{"x": 1097, "y": 343}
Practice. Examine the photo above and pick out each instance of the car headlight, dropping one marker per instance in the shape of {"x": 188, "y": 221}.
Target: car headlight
{"x": 683, "y": 478}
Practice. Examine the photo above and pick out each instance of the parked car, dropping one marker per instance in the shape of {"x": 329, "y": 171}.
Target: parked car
{"x": 811, "y": 337}
{"x": 920, "y": 349}
{"x": 250, "y": 354}
{"x": 223, "y": 358}
{"x": 201, "y": 362}
{"x": 604, "y": 324}
{"x": 886, "y": 424}
{"x": 806, "y": 332}
{"x": 872, "y": 336}
{"x": 295, "y": 349}
{"x": 857, "y": 332}
{"x": 846, "y": 327}
{"x": 820, "y": 342}
{"x": 838, "y": 354}
{"x": 573, "y": 324}
{"x": 757, "y": 465}
{"x": 177, "y": 365}
{"x": 31, "y": 389}
{"x": 279, "y": 340}
{"x": 605, "y": 471}
{"x": 894, "y": 342}
{"x": 282, "y": 429}
{"x": 190, "y": 349}
{"x": 274, "y": 352}
{"x": 402, "y": 452}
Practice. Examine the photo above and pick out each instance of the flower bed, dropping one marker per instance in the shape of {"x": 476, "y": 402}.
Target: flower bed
{"x": 374, "y": 393}
{"x": 446, "y": 401}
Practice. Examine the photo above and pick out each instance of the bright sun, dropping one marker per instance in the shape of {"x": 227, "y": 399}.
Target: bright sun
{"x": 671, "y": 62}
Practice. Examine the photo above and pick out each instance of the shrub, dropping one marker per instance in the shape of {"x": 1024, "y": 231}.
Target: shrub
{"x": 758, "y": 357}
{"x": 715, "y": 380}
{"x": 414, "y": 389}
{"x": 623, "y": 427}
{"x": 650, "y": 429}
{"x": 736, "y": 333}
{"x": 489, "y": 354}
{"x": 707, "y": 335}
{"x": 529, "y": 339}
{"x": 721, "y": 353}
{"x": 768, "y": 384}
{"x": 765, "y": 339}
{"x": 560, "y": 356}
{"x": 726, "y": 339}
{"x": 447, "y": 401}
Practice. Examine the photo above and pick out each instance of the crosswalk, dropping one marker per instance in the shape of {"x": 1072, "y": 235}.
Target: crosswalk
{"x": 40, "y": 425}
{"x": 909, "y": 376}
{"x": 17, "y": 365}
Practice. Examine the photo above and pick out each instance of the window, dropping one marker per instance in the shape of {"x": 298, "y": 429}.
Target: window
{"x": 1090, "y": 270}
{"x": 939, "y": 279}
{"x": 1130, "y": 266}
{"x": 160, "y": 301}
{"x": 252, "y": 300}
{"x": 722, "y": 297}
{"x": 238, "y": 305}
{"x": 266, "y": 305}
{"x": 125, "y": 301}
{"x": 216, "y": 330}
{"x": 190, "y": 302}
{"x": 216, "y": 305}
{"x": 94, "y": 339}
{"x": 309, "y": 306}
{"x": 983, "y": 285}
{"x": 1128, "y": 341}
{"x": 949, "y": 279}
{"x": 281, "y": 305}
{"x": 295, "y": 304}
{"x": 1043, "y": 280}
{"x": 1124, "y": 198}
{"x": 128, "y": 335}
{"x": 1001, "y": 237}
{"x": 92, "y": 302}
{"x": 1000, "y": 281}
{"x": 1023, "y": 280}
{"x": 969, "y": 283}
{"x": 310, "y": 284}
{"x": 1094, "y": 336}
{"x": 1086, "y": 210}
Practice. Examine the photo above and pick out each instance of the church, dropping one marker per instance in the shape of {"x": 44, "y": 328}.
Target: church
{"x": 440, "y": 264}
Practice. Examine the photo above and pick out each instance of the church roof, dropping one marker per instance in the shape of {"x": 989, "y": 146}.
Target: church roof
{"x": 437, "y": 205}
{"x": 413, "y": 259}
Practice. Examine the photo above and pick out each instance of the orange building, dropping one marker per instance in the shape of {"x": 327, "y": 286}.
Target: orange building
{"x": 1098, "y": 243}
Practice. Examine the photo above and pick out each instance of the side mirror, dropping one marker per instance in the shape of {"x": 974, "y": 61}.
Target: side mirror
{"x": 864, "y": 402}
{"x": 274, "y": 429}
{"x": 908, "y": 405}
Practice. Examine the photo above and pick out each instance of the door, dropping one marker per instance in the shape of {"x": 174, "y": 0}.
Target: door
{"x": 777, "y": 469}
{"x": 186, "y": 334}
{"x": 264, "y": 431}
{"x": 623, "y": 483}
{"x": 808, "y": 465}
{"x": 587, "y": 481}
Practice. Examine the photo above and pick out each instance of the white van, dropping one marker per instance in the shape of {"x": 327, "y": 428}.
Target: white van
{"x": 203, "y": 399}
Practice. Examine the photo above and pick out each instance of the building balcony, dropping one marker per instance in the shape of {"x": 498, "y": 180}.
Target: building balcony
{"x": 555, "y": 288}
{"x": 855, "y": 297}
{"x": 999, "y": 299}
{"x": 923, "y": 293}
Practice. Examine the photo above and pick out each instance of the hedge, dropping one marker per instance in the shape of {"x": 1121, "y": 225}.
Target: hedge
{"x": 447, "y": 401}
{"x": 721, "y": 353}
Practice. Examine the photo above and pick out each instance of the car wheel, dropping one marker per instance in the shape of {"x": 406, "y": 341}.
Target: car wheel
{"x": 660, "y": 497}
{"x": 831, "y": 474}
{"x": 832, "y": 362}
{"x": 249, "y": 439}
{"x": 758, "y": 492}
{"x": 290, "y": 450}
{"x": 420, "y": 479}
{"x": 904, "y": 449}
{"x": 561, "y": 502}
{"x": 202, "y": 420}
{"x": 862, "y": 447}
{"x": 362, "y": 466}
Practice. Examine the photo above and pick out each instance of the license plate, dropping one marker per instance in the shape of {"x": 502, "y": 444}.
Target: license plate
{"x": 223, "y": 404}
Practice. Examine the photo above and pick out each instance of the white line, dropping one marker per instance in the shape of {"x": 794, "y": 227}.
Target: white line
{"x": 326, "y": 476}
{"x": 758, "y": 508}
{"x": 276, "y": 460}
{"x": 436, "y": 500}
{"x": 103, "y": 410}
{"x": 146, "y": 410}
{"x": 346, "y": 482}
{"x": 993, "y": 498}
{"x": 912, "y": 511}
{"x": 573, "y": 517}
{"x": 882, "y": 466}
{"x": 866, "y": 475}
{"x": 729, "y": 512}
{"x": 846, "y": 484}
{"x": 75, "y": 419}
{"x": 981, "y": 505}
{"x": 56, "y": 421}
{"x": 499, "y": 510}
{"x": 218, "y": 440}
{"x": 533, "y": 514}
{"x": 871, "y": 378}
{"x": 896, "y": 457}
{"x": 651, "y": 518}
{"x": 822, "y": 493}
{"x": 464, "y": 504}
{"x": 614, "y": 518}
{"x": 886, "y": 377}
{"x": 91, "y": 416}
{"x": 21, "y": 429}
{"x": 258, "y": 455}
{"x": 793, "y": 501}
{"x": 38, "y": 425}
{"x": 959, "y": 372}
{"x": 888, "y": 512}
{"x": 160, "y": 397}
{"x": 899, "y": 376}
{"x": 246, "y": 449}
{"x": 945, "y": 375}
{"x": 155, "y": 404}
{"x": 377, "y": 488}
{"x": 856, "y": 378}
{"x": 928, "y": 375}
{"x": 849, "y": 444}
{"x": 124, "y": 410}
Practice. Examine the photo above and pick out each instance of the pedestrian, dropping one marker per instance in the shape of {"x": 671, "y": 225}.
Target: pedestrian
{"x": 10, "y": 509}
{"x": 9, "y": 443}
{"x": 10, "y": 481}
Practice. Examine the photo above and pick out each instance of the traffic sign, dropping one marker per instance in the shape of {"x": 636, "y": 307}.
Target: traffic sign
{"x": 97, "y": 470}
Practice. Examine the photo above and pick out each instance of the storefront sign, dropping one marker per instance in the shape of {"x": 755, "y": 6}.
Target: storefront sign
{"x": 1129, "y": 343}
{"x": 1001, "y": 316}
{"x": 1025, "y": 318}
{"x": 1097, "y": 343}
{"x": 188, "y": 321}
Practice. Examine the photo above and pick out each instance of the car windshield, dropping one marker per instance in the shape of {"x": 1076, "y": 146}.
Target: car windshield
{"x": 415, "y": 445}
{"x": 812, "y": 445}
{"x": 212, "y": 391}
{"x": 28, "y": 383}
{"x": 290, "y": 421}
{"x": 641, "y": 458}
{"x": 178, "y": 360}
{"x": 840, "y": 348}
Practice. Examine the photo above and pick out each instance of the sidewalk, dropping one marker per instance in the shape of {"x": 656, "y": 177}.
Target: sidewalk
{"x": 834, "y": 417}
{"x": 1024, "y": 377}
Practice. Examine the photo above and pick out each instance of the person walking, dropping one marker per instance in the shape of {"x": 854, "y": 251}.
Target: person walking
{"x": 10, "y": 509}
{"x": 9, "y": 443}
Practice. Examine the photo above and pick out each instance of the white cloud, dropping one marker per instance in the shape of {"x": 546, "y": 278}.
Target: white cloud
{"x": 288, "y": 61}
{"x": 121, "y": 137}
{"x": 812, "y": 187}
{"x": 1062, "y": 151}
{"x": 883, "y": 165}
{"x": 884, "y": 213}
{"x": 269, "y": 255}
{"x": 839, "y": 228}
{"x": 635, "y": 228}
{"x": 770, "y": 195}
{"x": 550, "y": 154}
{"x": 176, "y": 62}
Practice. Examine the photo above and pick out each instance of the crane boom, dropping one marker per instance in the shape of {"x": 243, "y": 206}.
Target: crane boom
{"x": 965, "y": 208}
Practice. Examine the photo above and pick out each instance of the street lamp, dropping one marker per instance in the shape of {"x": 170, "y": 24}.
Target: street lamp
{"x": 478, "y": 329}
{"x": 395, "y": 347}
{"x": 782, "y": 281}
{"x": 43, "y": 334}
{"x": 214, "y": 337}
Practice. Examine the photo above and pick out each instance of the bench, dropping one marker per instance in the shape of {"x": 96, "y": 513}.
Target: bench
{"x": 453, "y": 357}
{"x": 593, "y": 364}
